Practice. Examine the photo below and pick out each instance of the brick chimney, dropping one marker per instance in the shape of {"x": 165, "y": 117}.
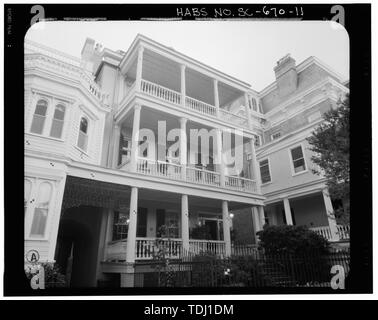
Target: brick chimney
{"x": 90, "y": 55}
{"x": 286, "y": 75}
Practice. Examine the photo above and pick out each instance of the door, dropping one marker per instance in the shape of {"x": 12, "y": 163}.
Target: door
{"x": 142, "y": 223}
{"x": 212, "y": 226}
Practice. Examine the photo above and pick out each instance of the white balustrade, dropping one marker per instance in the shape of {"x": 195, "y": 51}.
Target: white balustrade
{"x": 160, "y": 92}
{"x": 159, "y": 168}
{"x": 343, "y": 231}
{"x": 147, "y": 248}
{"x": 93, "y": 87}
{"x": 202, "y": 176}
{"x": 324, "y": 231}
{"x": 200, "y": 106}
{"x": 207, "y": 246}
{"x": 240, "y": 184}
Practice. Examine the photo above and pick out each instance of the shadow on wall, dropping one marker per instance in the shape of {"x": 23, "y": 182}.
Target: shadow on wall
{"x": 77, "y": 246}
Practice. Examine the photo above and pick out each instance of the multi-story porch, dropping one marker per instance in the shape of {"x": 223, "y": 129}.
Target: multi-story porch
{"x": 108, "y": 227}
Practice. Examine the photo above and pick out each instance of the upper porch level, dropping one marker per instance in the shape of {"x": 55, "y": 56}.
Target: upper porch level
{"x": 158, "y": 73}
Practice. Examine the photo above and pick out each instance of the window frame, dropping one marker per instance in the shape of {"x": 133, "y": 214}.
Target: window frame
{"x": 87, "y": 133}
{"x": 52, "y": 103}
{"x": 274, "y": 139}
{"x": 270, "y": 171}
{"x": 46, "y": 120}
{"x": 293, "y": 173}
{"x": 59, "y": 103}
{"x": 29, "y": 214}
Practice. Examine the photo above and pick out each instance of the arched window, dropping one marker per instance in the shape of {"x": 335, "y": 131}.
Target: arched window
{"x": 27, "y": 192}
{"x": 41, "y": 210}
{"x": 82, "y": 142}
{"x": 58, "y": 121}
{"x": 39, "y": 117}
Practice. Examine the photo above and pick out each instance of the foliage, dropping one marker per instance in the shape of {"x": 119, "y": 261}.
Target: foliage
{"x": 160, "y": 256}
{"x": 208, "y": 270}
{"x": 296, "y": 252}
{"x": 331, "y": 147}
{"x": 53, "y": 275}
{"x": 291, "y": 239}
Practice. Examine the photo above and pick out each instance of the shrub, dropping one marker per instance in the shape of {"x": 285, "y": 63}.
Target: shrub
{"x": 53, "y": 276}
{"x": 291, "y": 239}
{"x": 297, "y": 252}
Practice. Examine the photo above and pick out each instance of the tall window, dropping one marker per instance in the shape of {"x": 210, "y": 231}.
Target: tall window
{"x": 297, "y": 157}
{"x": 82, "y": 142}
{"x": 27, "y": 192}
{"x": 39, "y": 117}
{"x": 265, "y": 171}
{"x": 120, "y": 225}
{"x": 58, "y": 121}
{"x": 41, "y": 210}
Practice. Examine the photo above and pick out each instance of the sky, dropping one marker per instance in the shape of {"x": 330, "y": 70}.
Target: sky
{"x": 246, "y": 50}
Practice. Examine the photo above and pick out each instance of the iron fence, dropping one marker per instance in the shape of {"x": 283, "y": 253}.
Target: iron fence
{"x": 257, "y": 270}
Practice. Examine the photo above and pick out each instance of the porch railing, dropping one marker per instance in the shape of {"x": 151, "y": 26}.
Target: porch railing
{"x": 202, "y": 176}
{"x": 159, "y": 168}
{"x": 200, "y": 106}
{"x": 240, "y": 183}
{"x": 146, "y": 248}
{"x": 160, "y": 92}
{"x": 325, "y": 231}
{"x": 343, "y": 231}
{"x": 207, "y": 246}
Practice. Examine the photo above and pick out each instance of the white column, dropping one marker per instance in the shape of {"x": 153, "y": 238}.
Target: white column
{"x": 256, "y": 219}
{"x": 255, "y": 169}
{"x": 330, "y": 215}
{"x": 289, "y": 219}
{"x": 226, "y": 227}
{"x": 135, "y": 138}
{"x": 261, "y": 216}
{"x": 248, "y": 111}
{"x": 216, "y": 96}
{"x": 117, "y": 137}
{"x": 183, "y": 147}
{"x": 220, "y": 157}
{"x": 183, "y": 85}
{"x": 139, "y": 69}
{"x": 185, "y": 222}
{"x": 131, "y": 233}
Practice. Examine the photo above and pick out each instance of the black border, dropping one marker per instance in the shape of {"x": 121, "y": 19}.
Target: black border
{"x": 358, "y": 25}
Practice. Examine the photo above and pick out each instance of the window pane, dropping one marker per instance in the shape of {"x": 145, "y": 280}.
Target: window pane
{"x": 41, "y": 108}
{"x": 299, "y": 165}
{"x": 37, "y": 124}
{"x": 59, "y": 112}
{"x": 83, "y": 125}
{"x": 296, "y": 153}
{"x": 56, "y": 128}
{"x": 120, "y": 225}
{"x": 83, "y": 141}
{"x": 39, "y": 222}
{"x": 265, "y": 171}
